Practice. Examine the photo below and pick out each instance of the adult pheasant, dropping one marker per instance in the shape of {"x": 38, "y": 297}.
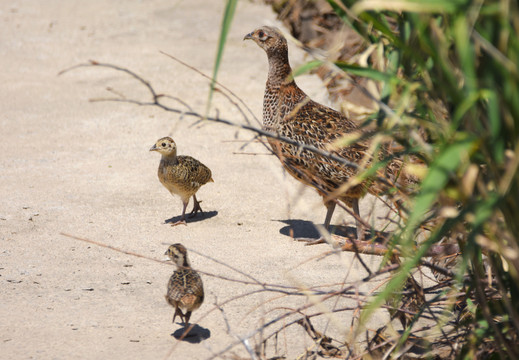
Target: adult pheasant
{"x": 289, "y": 112}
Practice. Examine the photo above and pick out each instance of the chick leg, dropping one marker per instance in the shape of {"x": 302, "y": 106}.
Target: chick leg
{"x": 182, "y": 220}
{"x": 187, "y": 316}
{"x": 179, "y": 313}
{"x": 196, "y": 207}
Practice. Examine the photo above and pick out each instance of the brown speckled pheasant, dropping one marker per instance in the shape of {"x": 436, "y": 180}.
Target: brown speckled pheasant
{"x": 181, "y": 175}
{"x": 289, "y": 112}
{"x": 185, "y": 287}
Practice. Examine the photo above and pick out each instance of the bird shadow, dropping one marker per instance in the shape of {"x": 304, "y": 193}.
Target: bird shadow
{"x": 195, "y": 336}
{"x": 199, "y": 217}
{"x": 306, "y": 229}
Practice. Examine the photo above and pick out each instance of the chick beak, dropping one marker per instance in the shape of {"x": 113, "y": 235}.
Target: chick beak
{"x": 249, "y": 36}
{"x": 153, "y": 148}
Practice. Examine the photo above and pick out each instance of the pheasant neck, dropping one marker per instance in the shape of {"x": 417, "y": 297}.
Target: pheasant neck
{"x": 170, "y": 159}
{"x": 280, "y": 72}
{"x": 186, "y": 263}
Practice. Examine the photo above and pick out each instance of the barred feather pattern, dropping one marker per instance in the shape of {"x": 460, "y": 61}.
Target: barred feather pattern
{"x": 289, "y": 112}
{"x": 183, "y": 175}
{"x": 185, "y": 290}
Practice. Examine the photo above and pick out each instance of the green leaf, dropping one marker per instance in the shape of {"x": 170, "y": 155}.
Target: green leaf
{"x": 437, "y": 177}
{"x": 418, "y": 6}
{"x": 224, "y": 30}
{"x": 465, "y": 51}
{"x": 306, "y": 68}
{"x": 366, "y": 72}
{"x": 439, "y": 173}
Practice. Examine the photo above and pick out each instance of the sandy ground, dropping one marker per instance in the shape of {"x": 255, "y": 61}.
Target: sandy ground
{"x": 82, "y": 168}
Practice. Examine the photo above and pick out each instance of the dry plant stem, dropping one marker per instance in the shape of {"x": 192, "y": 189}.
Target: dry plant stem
{"x": 283, "y": 289}
{"x": 304, "y": 307}
{"x": 487, "y": 314}
{"x": 188, "y": 329}
{"x": 371, "y": 248}
{"x": 509, "y": 306}
{"x": 156, "y": 102}
{"x": 319, "y": 338}
{"x": 254, "y": 282}
{"x": 286, "y": 290}
{"x": 298, "y": 321}
{"x": 357, "y": 247}
{"x": 244, "y": 341}
{"x": 339, "y": 293}
{"x": 216, "y": 83}
{"x": 249, "y": 153}
{"x": 97, "y": 243}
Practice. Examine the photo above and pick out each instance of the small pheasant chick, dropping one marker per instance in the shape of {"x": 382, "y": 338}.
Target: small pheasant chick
{"x": 185, "y": 287}
{"x": 181, "y": 175}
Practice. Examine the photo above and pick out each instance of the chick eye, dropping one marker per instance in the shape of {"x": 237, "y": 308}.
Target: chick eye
{"x": 163, "y": 144}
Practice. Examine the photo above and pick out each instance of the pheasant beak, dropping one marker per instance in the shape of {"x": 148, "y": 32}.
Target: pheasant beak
{"x": 166, "y": 256}
{"x": 249, "y": 36}
{"x": 153, "y": 148}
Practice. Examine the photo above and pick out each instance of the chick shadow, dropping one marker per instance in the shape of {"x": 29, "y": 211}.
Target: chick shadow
{"x": 199, "y": 217}
{"x": 195, "y": 336}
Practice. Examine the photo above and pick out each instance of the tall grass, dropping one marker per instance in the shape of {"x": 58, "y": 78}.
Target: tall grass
{"x": 449, "y": 95}
{"x": 457, "y": 68}
{"x": 227, "y": 17}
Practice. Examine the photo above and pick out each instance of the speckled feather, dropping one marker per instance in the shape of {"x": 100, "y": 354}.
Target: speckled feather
{"x": 288, "y": 111}
{"x": 185, "y": 290}
{"x": 183, "y": 175}
{"x": 185, "y": 287}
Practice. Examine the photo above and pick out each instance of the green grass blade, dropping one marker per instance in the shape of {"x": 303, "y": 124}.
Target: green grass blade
{"x": 367, "y": 72}
{"x": 228, "y": 15}
{"x": 306, "y": 68}
{"x": 418, "y": 6}
{"x": 465, "y": 52}
{"x": 439, "y": 173}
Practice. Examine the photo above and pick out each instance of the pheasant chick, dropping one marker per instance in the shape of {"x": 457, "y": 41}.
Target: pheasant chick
{"x": 182, "y": 175}
{"x": 185, "y": 287}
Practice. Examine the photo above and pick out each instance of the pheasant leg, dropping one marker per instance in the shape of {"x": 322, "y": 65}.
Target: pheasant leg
{"x": 330, "y": 207}
{"x": 359, "y": 227}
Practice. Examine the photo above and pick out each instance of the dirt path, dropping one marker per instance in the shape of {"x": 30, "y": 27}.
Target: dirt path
{"x": 83, "y": 168}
